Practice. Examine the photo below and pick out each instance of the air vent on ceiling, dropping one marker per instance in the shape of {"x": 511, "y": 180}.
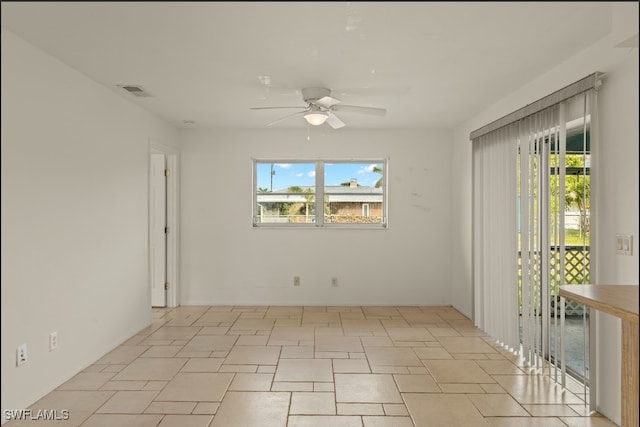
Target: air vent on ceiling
{"x": 135, "y": 91}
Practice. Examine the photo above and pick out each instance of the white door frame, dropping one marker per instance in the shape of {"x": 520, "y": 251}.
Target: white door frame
{"x": 172, "y": 156}
{"x": 158, "y": 229}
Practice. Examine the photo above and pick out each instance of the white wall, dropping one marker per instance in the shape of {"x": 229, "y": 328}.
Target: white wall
{"x": 74, "y": 219}
{"x": 227, "y": 261}
{"x": 617, "y": 212}
{"x": 461, "y": 228}
{"x": 615, "y": 179}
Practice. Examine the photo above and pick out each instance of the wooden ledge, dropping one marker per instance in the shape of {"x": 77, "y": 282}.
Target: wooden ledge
{"x": 618, "y": 300}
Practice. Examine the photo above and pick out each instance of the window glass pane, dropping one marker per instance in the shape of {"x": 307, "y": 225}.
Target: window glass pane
{"x": 279, "y": 177}
{"x": 285, "y": 193}
{"x": 348, "y": 187}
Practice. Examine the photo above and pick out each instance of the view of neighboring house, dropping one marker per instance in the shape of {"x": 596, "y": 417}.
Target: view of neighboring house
{"x": 351, "y": 203}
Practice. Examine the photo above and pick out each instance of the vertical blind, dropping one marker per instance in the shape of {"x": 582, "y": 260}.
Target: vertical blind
{"x": 494, "y": 250}
{"x": 518, "y": 222}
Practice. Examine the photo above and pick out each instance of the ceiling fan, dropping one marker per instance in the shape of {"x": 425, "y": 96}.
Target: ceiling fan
{"x": 321, "y": 108}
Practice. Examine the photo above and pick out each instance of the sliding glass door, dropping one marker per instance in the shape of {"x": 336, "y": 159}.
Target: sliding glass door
{"x": 554, "y": 216}
{"x": 532, "y": 221}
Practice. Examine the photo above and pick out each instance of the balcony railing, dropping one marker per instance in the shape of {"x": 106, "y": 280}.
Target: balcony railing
{"x": 576, "y": 272}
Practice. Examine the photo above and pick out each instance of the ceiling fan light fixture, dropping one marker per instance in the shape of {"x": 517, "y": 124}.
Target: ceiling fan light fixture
{"x": 316, "y": 118}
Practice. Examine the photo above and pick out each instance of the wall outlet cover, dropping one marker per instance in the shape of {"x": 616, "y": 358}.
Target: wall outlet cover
{"x": 21, "y": 355}
{"x": 624, "y": 244}
{"x": 53, "y": 341}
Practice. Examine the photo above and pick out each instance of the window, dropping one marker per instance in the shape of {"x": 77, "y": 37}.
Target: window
{"x": 297, "y": 193}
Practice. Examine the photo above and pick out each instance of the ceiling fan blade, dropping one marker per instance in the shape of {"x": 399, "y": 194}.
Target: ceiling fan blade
{"x": 360, "y": 110}
{"x": 275, "y": 108}
{"x": 334, "y": 121}
{"x": 300, "y": 113}
{"x": 327, "y": 102}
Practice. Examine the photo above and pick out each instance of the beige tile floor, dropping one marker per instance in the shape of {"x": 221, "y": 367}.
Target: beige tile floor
{"x": 224, "y": 366}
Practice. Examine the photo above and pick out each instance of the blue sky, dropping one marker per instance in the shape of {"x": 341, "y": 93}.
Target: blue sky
{"x": 303, "y": 174}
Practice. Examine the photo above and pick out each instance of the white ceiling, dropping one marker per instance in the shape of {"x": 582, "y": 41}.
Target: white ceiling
{"x": 430, "y": 64}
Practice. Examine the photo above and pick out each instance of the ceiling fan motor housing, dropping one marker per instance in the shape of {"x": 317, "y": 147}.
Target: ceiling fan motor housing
{"x": 311, "y": 94}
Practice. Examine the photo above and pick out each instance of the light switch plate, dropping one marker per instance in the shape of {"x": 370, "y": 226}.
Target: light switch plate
{"x": 624, "y": 244}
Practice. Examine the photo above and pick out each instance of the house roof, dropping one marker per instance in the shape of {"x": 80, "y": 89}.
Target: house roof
{"x": 333, "y": 193}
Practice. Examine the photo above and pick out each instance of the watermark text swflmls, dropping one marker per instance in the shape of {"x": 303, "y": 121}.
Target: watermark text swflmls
{"x": 36, "y": 414}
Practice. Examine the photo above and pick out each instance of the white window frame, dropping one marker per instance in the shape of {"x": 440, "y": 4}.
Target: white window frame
{"x": 319, "y": 194}
{"x": 365, "y": 209}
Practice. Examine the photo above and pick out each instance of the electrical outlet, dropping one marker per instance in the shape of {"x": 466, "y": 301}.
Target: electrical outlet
{"x": 296, "y": 280}
{"x": 21, "y": 355}
{"x": 334, "y": 282}
{"x": 53, "y": 340}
